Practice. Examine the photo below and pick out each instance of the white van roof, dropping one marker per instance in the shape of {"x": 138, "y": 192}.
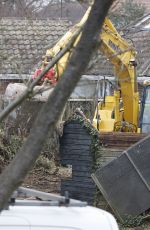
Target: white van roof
{"x": 54, "y": 217}
{"x": 52, "y": 212}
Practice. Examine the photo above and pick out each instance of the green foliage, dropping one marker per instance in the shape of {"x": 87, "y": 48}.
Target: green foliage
{"x": 128, "y": 12}
{"x": 45, "y": 163}
{"x": 87, "y": 107}
{"x": 130, "y": 221}
{"x": 8, "y": 147}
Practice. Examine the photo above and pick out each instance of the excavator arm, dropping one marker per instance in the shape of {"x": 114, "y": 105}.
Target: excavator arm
{"x": 122, "y": 56}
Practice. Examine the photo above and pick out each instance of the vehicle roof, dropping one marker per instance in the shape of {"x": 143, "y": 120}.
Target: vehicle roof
{"x": 59, "y": 217}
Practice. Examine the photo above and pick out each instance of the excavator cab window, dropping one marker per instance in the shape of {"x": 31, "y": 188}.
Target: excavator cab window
{"x": 145, "y": 110}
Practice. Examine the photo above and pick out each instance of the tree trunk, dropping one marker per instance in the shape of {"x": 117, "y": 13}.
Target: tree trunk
{"x": 45, "y": 123}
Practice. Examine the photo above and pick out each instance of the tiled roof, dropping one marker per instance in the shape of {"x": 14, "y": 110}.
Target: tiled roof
{"x": 140, "y": 39}
{"x": 139, "y": 34}
{"x": 145, "y": 3}
{"x": 100, "y": 65}
{"x": 23, "y": 42}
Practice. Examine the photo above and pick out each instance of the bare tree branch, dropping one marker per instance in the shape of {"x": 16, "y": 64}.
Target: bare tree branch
{"x": 45, "y": 123}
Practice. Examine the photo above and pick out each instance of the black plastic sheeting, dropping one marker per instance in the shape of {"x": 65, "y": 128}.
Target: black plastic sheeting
{"x": 75, "y": 150}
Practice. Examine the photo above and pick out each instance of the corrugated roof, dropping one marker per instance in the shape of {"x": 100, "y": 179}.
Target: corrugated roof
{"x": 144, "y": 22}
{"x": 23, "y": 42}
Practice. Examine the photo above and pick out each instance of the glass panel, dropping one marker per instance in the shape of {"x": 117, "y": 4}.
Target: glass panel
{"x": 146, "y": 113}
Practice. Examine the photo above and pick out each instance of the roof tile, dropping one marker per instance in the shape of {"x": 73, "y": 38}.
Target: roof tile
{"x": 24, "y": 41}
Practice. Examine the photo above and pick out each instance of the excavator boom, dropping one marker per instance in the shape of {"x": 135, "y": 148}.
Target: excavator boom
{"x": 122, "y": 56}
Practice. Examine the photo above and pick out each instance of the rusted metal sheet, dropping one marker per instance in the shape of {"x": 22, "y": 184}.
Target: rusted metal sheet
{"x": 119, "y": 140}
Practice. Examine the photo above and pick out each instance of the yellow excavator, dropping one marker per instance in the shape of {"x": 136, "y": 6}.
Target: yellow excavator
{"x": 119, "y": 112}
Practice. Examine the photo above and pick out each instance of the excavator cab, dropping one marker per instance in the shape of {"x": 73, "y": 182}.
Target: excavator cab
{"x": 145, "y": 110}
